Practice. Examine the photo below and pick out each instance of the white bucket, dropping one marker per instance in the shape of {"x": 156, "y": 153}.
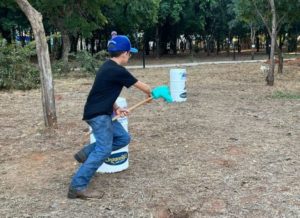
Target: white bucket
{"x": 119, "y": 159}
{"x": 121, "y": 102}
{"x": 116, "y": 162}
{"x": 177, "y": 84}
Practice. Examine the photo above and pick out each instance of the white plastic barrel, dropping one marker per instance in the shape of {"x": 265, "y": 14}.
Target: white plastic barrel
{"x": 116, "y": 162}
{"x": 121, "y": 102}
{"x": 119, "y": 159}
{"x": 178, "y": 84}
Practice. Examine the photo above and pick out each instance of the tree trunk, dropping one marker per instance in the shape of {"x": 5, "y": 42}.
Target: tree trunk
{"x": 270, "y": 77}
{"x": 57, "y": 48}
{"x": 157, "y": 42}
{"x": 218, "y": 46}
{"x": 81, "y": 43}
{"x": 292, "y": 42}
{"x": 190, "y": 46}
{"x": 268, "y": 44}
{"x": 280, "y": 55}
{"x": 208, "y": 47}
{"x": 35, "y": 19}
{"x": 74, "y": 42}
{"x": 228, "y": 44}
{"x": 174, "y": 45}
{"x": 66, "y": 47}
{"x": 257, "y": 44}
{"x": 93, "y": 45}
{"x": 253, "y": 33}
{"x": 280, "y": 63}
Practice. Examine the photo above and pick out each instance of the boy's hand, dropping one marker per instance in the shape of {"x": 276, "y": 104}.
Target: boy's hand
{"x": 122, "y": 112}
{"x": 150, "y": 100}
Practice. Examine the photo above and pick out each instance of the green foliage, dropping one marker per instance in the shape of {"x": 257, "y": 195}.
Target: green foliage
{"x": 59, "y": 68}
{"x": 192, "y": 17}
{"x": 285, "y": 95}
{"x": 73, "y": 16}
{"x": 130, "y": 16}
{"x": 84, "y": 60}
{"x": 16, "y": 70}
{"x": 217, "y": 19}
{"x": 255, "y": 11}
{"x": 89, "y": 63}
{"x": 245, "y": 12}
{"x": 171, "y": 10}
{"x": 11, "y": 17}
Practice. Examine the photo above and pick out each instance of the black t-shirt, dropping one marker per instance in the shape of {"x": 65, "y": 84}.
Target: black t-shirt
{"x": 107, "y": 86}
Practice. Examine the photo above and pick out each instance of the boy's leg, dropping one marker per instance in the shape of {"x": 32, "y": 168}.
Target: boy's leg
{"x": 103, "y": 132}
{"x": 121, "y": 137}
{"x": 83, "y": 154}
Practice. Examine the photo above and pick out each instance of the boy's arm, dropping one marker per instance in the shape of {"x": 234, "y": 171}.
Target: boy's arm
{"x": 140, "y": 85}
{"x": 143, "y": 87}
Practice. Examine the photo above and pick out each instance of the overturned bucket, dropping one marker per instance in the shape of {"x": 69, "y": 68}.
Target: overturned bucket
{"x": 119, "y": 159}
{"x": 178, "y": 84}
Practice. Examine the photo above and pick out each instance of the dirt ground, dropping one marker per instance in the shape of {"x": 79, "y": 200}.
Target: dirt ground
{"x": 230, "y": 150}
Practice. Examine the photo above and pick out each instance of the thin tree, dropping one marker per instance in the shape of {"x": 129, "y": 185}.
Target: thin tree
{"x": 284, "y": 13}
{"x": 245, "y": 12}
{"x": 270, "y": 77}
{"x": 273, "y": 34}
{"x": 48, "y": 100}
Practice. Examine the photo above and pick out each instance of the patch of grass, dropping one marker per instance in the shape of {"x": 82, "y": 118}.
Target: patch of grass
{"x": 285, "y": 95}
{"x": 291, "y": 55}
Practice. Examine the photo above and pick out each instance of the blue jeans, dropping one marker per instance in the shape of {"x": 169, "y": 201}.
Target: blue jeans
{"x": 109, "y": 136}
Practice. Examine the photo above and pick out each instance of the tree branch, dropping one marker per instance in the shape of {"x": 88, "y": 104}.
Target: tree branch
{"x": 262, "y": 17}
{"x": 280, "y": 22}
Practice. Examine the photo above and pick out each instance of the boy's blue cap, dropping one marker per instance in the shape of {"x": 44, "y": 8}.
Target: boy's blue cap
{"x": 120, "y": 43}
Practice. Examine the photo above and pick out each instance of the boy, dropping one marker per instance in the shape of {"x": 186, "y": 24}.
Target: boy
{"x": 98, "y": 110}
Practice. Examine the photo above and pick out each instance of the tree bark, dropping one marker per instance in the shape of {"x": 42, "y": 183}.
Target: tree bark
{"x": 253, "y": 33}
{"x": 257, "y": 44}
{"x": 270, "y": 77}
{"x": 92, "y": 45}
{"x": 74, "y": 42}
{"x": 174, "y": 45}
{"x": 228, "y": 44}
{"x": 218, "y": 46}
{"x": 66, "y": 47}
{"x": 280, "y": 61}
{"x": 81, "y": 43}
{"x": 48, "y": 100}
{"x": 207, "y": 46}
{"x": 157, "y": 37}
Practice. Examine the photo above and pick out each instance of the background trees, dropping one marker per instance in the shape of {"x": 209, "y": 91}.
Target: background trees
{"x": 72, "y": 19}
{"x": 245, "y": 12}
{"x": 275, "y": 16}
{"x": 211, "y": 23}
{"x": 11, "y": 20}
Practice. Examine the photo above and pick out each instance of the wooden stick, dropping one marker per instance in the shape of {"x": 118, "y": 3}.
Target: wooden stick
{"x": 134, "y": 107}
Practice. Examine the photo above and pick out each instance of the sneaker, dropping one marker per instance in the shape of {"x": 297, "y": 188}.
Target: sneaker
{"x": 84, "y": 194}
{"x": 80, "y": 156}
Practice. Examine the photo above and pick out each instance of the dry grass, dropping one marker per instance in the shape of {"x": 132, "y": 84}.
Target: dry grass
{"x": 230, "y": 150}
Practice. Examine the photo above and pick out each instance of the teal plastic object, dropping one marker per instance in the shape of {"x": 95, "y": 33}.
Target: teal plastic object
{"x": 162, "y": 92}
